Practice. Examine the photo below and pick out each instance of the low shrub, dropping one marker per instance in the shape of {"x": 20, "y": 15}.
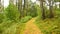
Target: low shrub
{"x": 49, "y": 26}
{"x": 12, "y": 12}
{"x": 25, "y": 19}
{"x": 2, "y": 17}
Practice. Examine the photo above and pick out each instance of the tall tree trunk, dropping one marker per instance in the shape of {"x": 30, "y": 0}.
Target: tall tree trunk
{"x": 16, "y": 3}
{"x": 42, "y": 9}
{"x": 51, "y": 8}
{"x": 20, "y": 8}
{"x": 59, "y": 5}
{"x": 25, "y": 8}
{"x": 55, "y": 6}
{"x": 0, "y": 5}
{"x": 3, "y": 5}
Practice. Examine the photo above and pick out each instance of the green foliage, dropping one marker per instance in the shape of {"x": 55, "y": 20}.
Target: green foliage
{"x": 10, "y": 24}
{"x": 32, "y": 11}
{"x": 57, "y": 11}
{"x": 12, "y": 27}
{"x": 25, "y": 19}
{"x": 49, "y": 26}
{"x": 15, "y": 29}
{"x": 56, "y": 0}
{"x": 12, "y": 12}
{"x": 1, "y": 30}
{"x": 6, "y": 24}
{"x": 2, "y": 17}
{"x": 39, "y": 12}
{"x": 9, "y": 17}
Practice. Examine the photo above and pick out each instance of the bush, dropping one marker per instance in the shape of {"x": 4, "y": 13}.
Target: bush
{"x": 25, "y": 19}
{"x": 12, "y": 12}
{"x": 5, "y": 25}
{"x": 1, "y": 30}
{"x": 15, "y": 29}
{"x": 2, "y": 17}
{"x": 49, "y": 26}
{"x": 32, "y": 11}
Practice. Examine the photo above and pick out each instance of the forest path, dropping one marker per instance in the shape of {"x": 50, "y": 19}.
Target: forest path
{"x": 31, "y": 28}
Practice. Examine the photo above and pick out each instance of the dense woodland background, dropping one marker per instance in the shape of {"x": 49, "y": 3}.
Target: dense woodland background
{"x": 14, "y": 17}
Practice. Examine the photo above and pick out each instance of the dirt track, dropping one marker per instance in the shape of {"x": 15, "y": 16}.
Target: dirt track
{"x": 31, "y": 28}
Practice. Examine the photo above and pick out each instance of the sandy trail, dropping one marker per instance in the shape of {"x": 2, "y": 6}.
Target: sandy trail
{"x": 31, "y": 28}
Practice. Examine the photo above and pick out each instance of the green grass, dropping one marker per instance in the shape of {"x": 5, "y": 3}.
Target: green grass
{"x": 13, "y": 27}
{"x": 49, "y": 26}
{"x": 25, "y": 19}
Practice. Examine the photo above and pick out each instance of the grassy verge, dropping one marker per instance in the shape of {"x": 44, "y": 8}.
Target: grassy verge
{"x": 49, "y": 26}
{"x": 13, "y": 27}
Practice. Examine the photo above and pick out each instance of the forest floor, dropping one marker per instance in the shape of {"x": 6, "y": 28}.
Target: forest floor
{"x": 31, "y": 28}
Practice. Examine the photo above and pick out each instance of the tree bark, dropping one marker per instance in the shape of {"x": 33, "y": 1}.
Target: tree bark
{"x": 0, "y": 5}
{"x": 51, "y": 9}
{"x": 25, "y": 8}
{"x": 20, "y": 8}
{"x": 59, "y": 5}
{"x": 16, "y": 3}
{"x": 42, "y": 9}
